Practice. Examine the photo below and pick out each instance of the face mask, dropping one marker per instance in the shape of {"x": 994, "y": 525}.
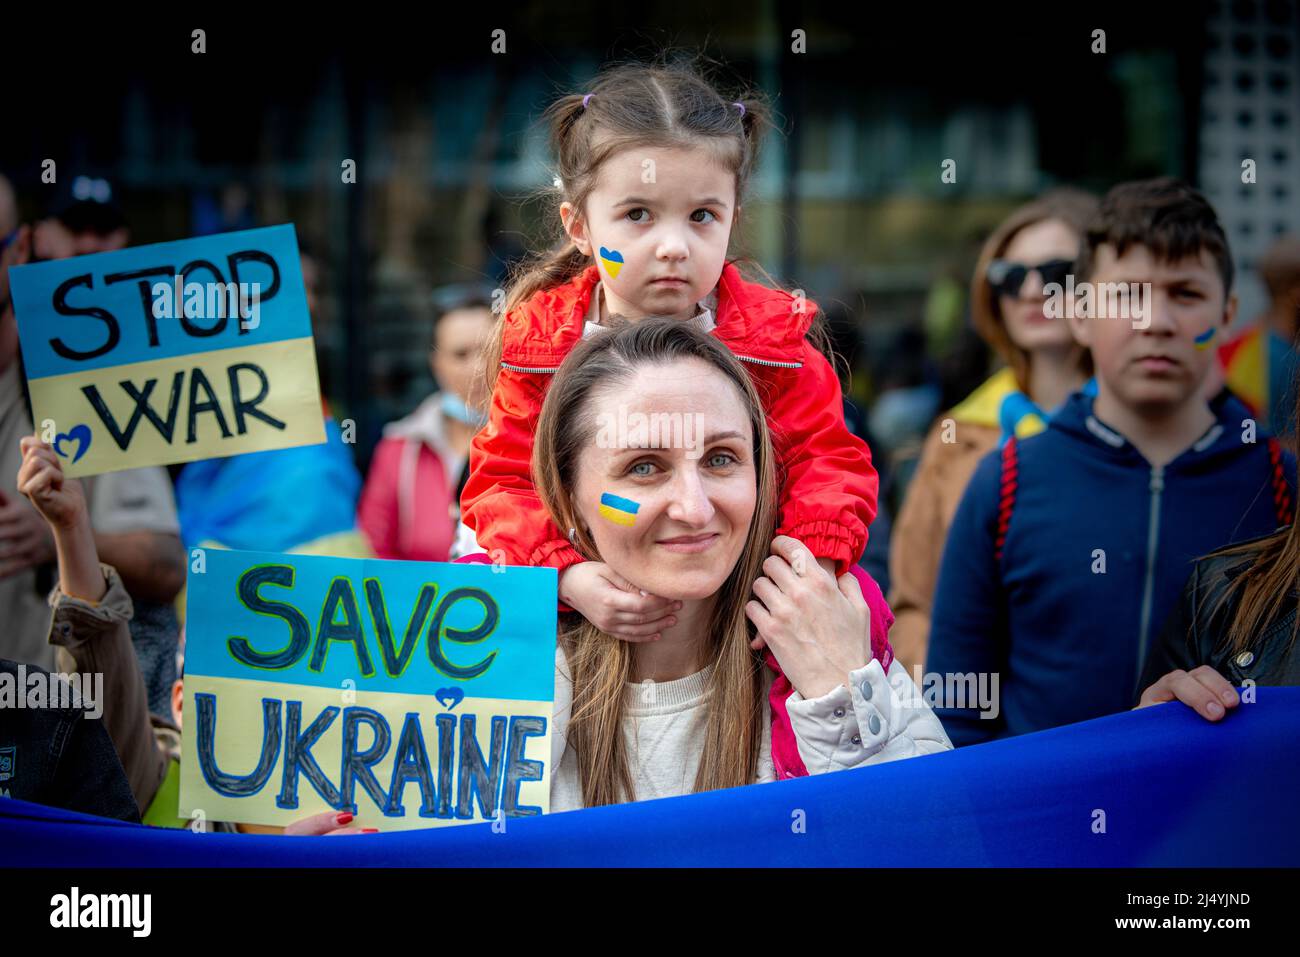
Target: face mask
{"x": 454, "y": 407}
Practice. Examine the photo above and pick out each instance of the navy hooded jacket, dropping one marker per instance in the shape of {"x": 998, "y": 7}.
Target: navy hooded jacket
{"x": 1096, "y": 552}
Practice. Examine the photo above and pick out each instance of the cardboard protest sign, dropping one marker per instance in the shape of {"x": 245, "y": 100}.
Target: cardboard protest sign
{"x": 413, "y": 694}
{"x": 173, "y": 352}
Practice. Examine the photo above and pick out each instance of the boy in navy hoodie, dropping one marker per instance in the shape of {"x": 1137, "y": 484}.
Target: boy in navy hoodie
{"x": 1070, "y": 547}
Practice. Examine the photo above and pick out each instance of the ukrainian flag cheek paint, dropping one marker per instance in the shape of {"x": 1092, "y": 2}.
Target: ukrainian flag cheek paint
{"x": 1204, "y": 339}
{"x": 619, "y": 510}
{"x": 612, "y": 260}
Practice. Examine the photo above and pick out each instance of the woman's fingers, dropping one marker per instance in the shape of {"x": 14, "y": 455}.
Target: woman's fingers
{"x": 779, "y": 571}
{"x": 796, "y": 553}
{"x": 33, "y": 444}
{"x": 37, "y": 482}
{"x": 327, "y": 824}
{"x": 1203, "y": 690}
{"x": 36, "y": 453}
{"x": 319, "y": 824}
{"x": 1218, "y": 687}
{"x": 1197, "y": 696}
{"x": 851, "y": 590}
{"x": 777, "y": 604}
{"x": 762, "y": 620}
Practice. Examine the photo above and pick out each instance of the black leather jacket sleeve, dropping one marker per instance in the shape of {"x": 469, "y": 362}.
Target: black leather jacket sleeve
{"x": 1178, "y": 647}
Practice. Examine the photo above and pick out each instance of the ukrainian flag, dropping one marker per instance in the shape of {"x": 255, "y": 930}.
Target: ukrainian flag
{"x": 620, "y": 511}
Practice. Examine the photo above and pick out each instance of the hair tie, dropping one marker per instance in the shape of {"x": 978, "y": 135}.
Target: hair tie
{"x": 586, "y": 99}
{"x": 741, "y": 106}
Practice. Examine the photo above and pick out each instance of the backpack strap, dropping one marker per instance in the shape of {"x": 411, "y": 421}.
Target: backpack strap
{"x": 1281, "y": 493}
{"x": 1006, "y": 493}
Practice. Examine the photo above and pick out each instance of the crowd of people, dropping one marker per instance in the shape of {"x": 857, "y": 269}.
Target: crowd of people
{"x": 1107, "y": 522}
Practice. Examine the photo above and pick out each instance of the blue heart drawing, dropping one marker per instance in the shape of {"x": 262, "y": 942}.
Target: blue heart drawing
{"x": 449, "y": 697}
{"x": 79, "y": 434}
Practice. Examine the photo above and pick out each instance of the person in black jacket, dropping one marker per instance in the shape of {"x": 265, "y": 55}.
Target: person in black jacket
{"x": 59, "y": 756}
{"x": 1236, "y": 623}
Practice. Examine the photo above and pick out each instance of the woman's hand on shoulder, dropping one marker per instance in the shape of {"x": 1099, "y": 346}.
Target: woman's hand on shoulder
{"x": 818, "y": 627}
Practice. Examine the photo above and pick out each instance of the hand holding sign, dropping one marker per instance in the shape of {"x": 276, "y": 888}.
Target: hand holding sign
{"x": 327, "y": 824}
{"x": 414, "y": 694}
{"x": 60, "y": 500}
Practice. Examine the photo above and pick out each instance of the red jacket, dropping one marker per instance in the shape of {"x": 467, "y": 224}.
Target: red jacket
{"x": 829, "y": 493}
{"x": 406, "y": 508}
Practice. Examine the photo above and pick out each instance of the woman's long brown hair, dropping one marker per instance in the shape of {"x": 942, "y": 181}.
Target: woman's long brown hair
{"x": 601, "y": 665}
{"x": 1267, "y": 589}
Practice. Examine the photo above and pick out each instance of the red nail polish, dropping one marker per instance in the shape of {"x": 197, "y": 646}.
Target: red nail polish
{"x": 343, "y": 818}
{"x": 370, "y": 830}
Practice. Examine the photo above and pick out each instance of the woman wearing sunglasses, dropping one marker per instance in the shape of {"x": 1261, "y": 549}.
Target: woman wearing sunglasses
{"x": 1034, "y": 247}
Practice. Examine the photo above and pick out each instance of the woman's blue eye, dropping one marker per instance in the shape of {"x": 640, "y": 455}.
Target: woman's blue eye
{"x": 706, "y": 212}
{"x": 648, "y": 465}
{"x": 639, "y": 209}
{"x": 727, "y": 459}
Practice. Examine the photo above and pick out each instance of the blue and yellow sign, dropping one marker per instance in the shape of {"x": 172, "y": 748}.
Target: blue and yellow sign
{"x": 174, "y": 352}
{"x": 413, "y": 694}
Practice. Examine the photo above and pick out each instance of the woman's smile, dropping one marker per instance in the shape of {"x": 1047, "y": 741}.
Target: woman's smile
{"x": 690, "y": 544}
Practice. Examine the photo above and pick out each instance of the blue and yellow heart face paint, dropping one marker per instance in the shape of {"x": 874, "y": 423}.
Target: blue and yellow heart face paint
{"x": 619, "y": 510}
{"x": 1205, "y": 338}
{"x": 612, "y": 260}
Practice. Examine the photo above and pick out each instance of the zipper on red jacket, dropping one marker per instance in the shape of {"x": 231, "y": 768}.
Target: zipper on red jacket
{"x": 761, "y": 362}
{"x": 769, "y": 362}
{"x": 515, "y": 368}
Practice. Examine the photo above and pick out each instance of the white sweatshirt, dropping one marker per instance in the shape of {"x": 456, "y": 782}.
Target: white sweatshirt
{"x": 878, "y": 718}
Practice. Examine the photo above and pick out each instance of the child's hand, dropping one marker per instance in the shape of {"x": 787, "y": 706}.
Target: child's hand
{"x": 615, "y": 605}
{"x": 59, "y": 500}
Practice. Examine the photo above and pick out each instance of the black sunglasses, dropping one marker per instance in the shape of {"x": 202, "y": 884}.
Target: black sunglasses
{"x": 1007, "y": 277}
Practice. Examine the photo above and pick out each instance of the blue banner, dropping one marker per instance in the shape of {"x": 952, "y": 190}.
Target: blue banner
{"x": 1174, "y": 789}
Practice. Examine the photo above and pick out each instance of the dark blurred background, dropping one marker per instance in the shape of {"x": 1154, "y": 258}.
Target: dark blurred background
{"x": 848, "y": 204}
